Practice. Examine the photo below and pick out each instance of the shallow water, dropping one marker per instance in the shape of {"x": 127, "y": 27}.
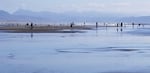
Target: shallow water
{"x": 105, "y": 50}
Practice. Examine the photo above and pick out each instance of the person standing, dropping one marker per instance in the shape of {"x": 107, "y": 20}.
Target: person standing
{"x": 121, "y": 24}
{"x": 117, "y": 25}
{"x": 31, "y": 26}
{"x": 71, "y": 25}
{"x": 96, "y": 24}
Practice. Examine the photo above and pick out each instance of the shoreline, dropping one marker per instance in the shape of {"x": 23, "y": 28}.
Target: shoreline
{"x": 36, "y": 28}
{"x": 44, "y": 29}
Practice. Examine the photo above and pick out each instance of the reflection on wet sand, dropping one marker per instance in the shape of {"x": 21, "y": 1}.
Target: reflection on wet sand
{"x": 77, "y": 51}
{"x": 31, "y": 35}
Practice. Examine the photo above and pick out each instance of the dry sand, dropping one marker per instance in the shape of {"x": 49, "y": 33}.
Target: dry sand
{"x": 44, "y": 28}
{"x": 47, "y": 28}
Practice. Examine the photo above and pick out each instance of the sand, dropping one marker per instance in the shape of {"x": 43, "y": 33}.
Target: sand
{"x": 44, "y": 28}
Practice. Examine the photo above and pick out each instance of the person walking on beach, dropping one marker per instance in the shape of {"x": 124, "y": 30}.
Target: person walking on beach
{"x": 96, "y": 24}
{"x": 31, "y": 26}
{"x": 139, "y": 25}
{"x": 27, "y": 24}
{"x": 133, "y": 25}
{"x": 71, "y": 25}
{"x": 84, "y": 24}
{"x": 121, "y": 24}
{"x": 117, "y": 25}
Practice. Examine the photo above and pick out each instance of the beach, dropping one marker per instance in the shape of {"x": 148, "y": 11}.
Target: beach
{"x": 96, "y": 50}
{"x": 43, "y": 28}
{"x": 51, "y": 28}
{"x": 74, "y": 36}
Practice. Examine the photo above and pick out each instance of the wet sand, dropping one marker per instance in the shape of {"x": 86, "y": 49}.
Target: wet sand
{"x": 105, "y": 50}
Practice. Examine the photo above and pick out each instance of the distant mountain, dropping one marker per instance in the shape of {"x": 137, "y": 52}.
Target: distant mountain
{"x": 69, "y": 16}
{"x": 4, "y": 15}
{"x": 30, "y": 16}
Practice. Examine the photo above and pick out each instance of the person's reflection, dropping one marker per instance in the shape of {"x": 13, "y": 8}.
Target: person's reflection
{"x": 31, "y": 35}
{"x": 121, "y": 30}
{"x": 96, "y": 32}
{"x": 143, "y": 25}
{"x": 117, "y": 29}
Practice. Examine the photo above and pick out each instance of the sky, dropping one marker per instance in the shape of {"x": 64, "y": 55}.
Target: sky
{"x": 131, "y": 7}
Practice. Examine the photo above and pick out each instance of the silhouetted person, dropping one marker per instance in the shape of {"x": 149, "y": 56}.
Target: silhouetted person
{"x": 83, "y": 24}
{"x": 71, "y": 25}
{"x": 27, "y": 24}
{"x": 96, "y": 24}
{"x": 121, "y": 24}
{"x": 139, "y": 24}
{"x": 117, "y": 25}
{"x": 31, "y": 26}
{"x": 133, "y": 25}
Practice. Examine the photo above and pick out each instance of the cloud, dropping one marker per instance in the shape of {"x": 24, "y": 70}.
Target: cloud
{"x": 135, "y": 7}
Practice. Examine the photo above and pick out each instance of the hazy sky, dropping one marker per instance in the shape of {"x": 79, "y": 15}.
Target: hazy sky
{"x": 135, "y": 7}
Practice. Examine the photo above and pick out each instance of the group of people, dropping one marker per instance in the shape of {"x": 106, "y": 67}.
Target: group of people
{"x": 31, "y": 25}
{"x": 138, "y": 24}
{"x": 118, "y": 25}
{"x": 71, "y": 25}
{"x": 121, "y": 24}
